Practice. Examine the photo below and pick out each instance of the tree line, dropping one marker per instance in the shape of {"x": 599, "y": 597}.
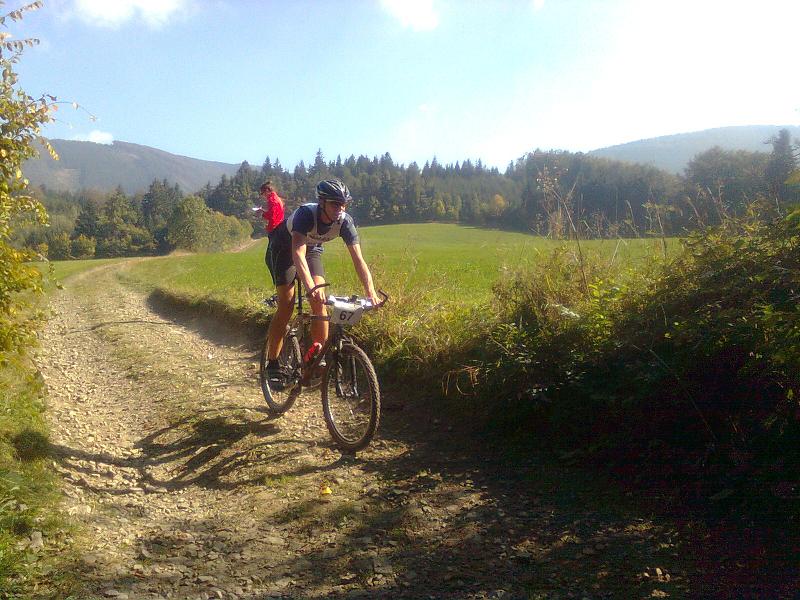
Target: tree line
{"x": 537, "y": 192}
{"x": 552, "y": 193}
{"x": 93, "y": 224}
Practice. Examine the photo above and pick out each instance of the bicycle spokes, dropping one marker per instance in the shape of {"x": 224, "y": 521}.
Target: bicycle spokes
{"x": 281, "y": 395}
{"x": 346, "y": 378}
{"x": 350, "y": 398}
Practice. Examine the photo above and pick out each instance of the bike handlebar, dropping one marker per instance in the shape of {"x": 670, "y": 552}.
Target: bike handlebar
{"x": 315, "y": 288}
{"x": 365, "y": 302}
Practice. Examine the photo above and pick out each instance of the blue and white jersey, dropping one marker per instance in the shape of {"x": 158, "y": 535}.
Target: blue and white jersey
{"x": 306, "y": 220}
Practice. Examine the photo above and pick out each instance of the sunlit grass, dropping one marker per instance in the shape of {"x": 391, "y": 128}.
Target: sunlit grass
{"x": 431, "y": 262}
{"x": 57, "y": 271}
{"x": 440, "y": 279}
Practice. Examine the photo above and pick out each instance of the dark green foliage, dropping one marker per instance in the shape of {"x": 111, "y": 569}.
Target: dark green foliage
{"x": 82, "y": 247}
{"x": 782, "y": 163}
{"x": 385, "y": 192}
{"x": 692, "y": 369}
{"x": 193, "y": 226}
{"x": 597, "y": 197}
{"x": 158, "y": 205}
{"x": 607, "y": 198}
{"x": 92, "y": 224}
{"x": 721, "y": 182}
{"x": 118, "y": 232}
{"x": 88, "y": 220}
{"x": 58, "y": 246}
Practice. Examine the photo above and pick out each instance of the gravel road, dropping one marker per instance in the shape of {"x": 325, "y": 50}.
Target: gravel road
{"x": 183, "y": 487}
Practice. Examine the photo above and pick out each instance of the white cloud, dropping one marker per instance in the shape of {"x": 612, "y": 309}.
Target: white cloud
{"x": 657, "y": 72}
{"x": 96, "y": 136}
{"x": 729, "y": 67}
{"x": 419, "y": 15}
{"x": 644, "y": 81}
{"x": 113, "y": 13}
{"x": 537, "y": 5}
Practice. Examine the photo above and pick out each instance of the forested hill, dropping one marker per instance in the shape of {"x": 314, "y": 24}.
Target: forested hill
{"x": 673, "y": 152}
{"x": 104, "y": 167}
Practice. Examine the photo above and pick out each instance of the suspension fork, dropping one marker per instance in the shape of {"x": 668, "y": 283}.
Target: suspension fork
{"x": 345, "y": 373}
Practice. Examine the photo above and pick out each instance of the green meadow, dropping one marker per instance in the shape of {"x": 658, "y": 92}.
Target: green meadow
{"x": 442, "y": 280}
{"x": 430, "y": 263}
{"x": 63, "y": 269}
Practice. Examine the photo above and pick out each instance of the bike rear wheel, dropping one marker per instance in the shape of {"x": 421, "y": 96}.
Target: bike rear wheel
{"x": 289, "y": 359}
{"x": 351, "y": 400}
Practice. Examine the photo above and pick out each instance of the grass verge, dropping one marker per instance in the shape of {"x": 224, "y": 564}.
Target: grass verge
{"x": 37, "y": 550}
{"x": 35, "y": 540}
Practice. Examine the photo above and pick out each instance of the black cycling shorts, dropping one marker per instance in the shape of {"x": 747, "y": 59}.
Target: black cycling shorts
{"x": 281, "y": 266}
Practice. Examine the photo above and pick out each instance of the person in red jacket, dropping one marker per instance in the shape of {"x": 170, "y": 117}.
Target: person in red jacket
{"x": 273, "y": 207}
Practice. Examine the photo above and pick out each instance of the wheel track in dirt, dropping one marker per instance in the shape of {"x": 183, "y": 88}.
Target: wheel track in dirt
{"x": 185, "y": 488}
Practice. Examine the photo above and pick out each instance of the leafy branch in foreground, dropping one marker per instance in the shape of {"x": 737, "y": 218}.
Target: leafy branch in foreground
{"x": 21, "y": 118}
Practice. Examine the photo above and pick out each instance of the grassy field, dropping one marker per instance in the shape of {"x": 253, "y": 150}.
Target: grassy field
{"x": 66, "y": 268}
{"x": 440, "y": 278}
{"x": 424, "y": 263}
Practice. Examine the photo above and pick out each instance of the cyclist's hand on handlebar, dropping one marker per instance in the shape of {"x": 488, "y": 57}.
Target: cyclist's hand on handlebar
{"x": 379, "y": 298}
{"x": 318, "y": 294}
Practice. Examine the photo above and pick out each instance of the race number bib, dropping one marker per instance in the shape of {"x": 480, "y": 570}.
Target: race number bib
{"x": 346, "y": 313}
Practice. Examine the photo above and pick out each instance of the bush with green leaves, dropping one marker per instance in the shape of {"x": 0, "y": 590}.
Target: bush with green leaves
{"x": 59, "y": 246}
{"x": 193, "y": 226}
{"x": 22, "y": 118}
{"x": 692, "y": 365}
{"x": 83, "y": 247}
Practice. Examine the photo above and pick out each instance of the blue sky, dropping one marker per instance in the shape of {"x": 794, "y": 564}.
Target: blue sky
{"x": 234, "y": 80}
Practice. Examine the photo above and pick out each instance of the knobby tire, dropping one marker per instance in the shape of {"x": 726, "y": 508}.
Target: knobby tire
{"x": 351, "y": 401}
{"x": 278, "y": 402}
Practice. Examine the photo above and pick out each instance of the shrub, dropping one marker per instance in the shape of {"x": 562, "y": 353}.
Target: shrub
{"x": 83, "y": 247}
{"x": 692, "y": 367}
{"x": 58, "y": 246}
{"x": 193, "y": 226}
{"x": 22, "y": 117}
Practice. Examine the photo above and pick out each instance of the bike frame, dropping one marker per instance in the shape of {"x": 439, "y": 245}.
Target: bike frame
{"x": 335, "y": 337}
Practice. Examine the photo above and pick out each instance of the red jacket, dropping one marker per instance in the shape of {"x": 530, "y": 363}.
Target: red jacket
{"x": 273, "y": 211}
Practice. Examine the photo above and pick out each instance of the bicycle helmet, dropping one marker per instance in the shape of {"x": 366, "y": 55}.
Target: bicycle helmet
{"x": 333, "y": 190}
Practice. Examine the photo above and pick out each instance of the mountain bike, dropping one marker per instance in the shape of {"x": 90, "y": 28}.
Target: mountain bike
{"x": 351, "y": 400}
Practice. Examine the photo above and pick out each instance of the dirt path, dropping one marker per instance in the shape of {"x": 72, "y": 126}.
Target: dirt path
{"x": 185, "y": 488}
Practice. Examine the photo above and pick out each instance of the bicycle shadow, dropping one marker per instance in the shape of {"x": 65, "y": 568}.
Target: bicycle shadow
{"x": 216, "y": 449}
{"x": 445, "y": 519}
{"x": 213, "y": 321}
{"x": 541, "y": 529}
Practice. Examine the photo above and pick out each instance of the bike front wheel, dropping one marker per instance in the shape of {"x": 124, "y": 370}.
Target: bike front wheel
{"x": 289, "y": 359}
{"x": 351, "y": 400}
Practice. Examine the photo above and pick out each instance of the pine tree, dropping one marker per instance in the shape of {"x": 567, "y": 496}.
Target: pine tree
{"x": 782, "y": 163}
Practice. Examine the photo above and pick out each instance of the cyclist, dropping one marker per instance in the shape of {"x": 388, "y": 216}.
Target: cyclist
{"x": 295, "y": 250}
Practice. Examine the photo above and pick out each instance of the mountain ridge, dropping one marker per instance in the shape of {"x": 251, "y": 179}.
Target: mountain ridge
{"x": 673, "y": 152}
{"x": 88, "y": 165}
{"x": 104, "y": 167}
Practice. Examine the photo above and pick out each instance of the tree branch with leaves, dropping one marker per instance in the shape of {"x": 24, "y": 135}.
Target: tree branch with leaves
{"x": 21, "y": 119}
